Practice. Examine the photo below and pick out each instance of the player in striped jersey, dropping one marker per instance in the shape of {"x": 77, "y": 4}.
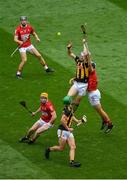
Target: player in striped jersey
{"x": 80, "y": 82}
{"x": 65, "y": 132}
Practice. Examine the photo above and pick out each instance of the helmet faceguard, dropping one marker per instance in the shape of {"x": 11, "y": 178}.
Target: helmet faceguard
{"x": 23, "y": 20}
{"x": 43, "y": 97}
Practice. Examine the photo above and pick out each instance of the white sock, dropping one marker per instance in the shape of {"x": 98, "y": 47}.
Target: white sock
{"x": 18, "y": 73}
{"x": 45, "y": 67}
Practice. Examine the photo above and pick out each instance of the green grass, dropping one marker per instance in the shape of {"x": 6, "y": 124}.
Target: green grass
{"x": 102, "y": 156}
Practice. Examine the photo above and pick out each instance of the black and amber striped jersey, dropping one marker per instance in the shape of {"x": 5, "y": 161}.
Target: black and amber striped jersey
{"x": 82, "y": 70}
{"x": 68, "y": 112}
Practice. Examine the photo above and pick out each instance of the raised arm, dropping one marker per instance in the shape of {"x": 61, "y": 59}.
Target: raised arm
{"x": 69, "y": 51}
{"x": 87, "y": 54}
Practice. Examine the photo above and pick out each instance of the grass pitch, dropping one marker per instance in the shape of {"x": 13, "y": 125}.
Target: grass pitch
{"x": 102, "y": 156}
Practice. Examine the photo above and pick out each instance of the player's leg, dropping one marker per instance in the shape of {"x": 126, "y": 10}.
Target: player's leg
{"x": 60, "y": 147}
{"x": 29, "y": 133}
{"x": 72, "y": 91}
{"x": 76, "y": 102}
{"x": 62, "y": 136}
{"x": 22, "y": 63}
{"x": 35, "y": 52}
{"x": 39, "y": 131}
{"x": 94, "y": 99}
{"x": 71, "y": 143}
{"x": 81, "y": 90}
{"x": 106, "y": 123}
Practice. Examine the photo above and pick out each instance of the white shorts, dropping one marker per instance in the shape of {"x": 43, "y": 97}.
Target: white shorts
{"x": 24, "y": 49}
{"x": 41, "y": 123}
{"x": 64, "y": 134}
{"x": 81, "y": 88}
{"x": 94, "y": 97}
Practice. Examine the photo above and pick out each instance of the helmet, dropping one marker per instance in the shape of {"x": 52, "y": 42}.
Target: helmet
{"x": 93, "y": 64}
{"x": 23, "y": 18}
{"x": 44, "y": 94}
{"x": 85, "y": 53}
{"x": 67, "y": 100}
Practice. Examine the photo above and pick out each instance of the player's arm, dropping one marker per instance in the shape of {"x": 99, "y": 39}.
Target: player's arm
{"x": 69, "y": 51}
{"x": 88, "y": 56}
{"x": 17, "y": 41}
{"x": 71, "y": 81}
{"x": 82, "y": 120}
{"x": 38, "y": 110}
{"x": 54, "y": 116}
{"x": 36, "y": 36}
{"x": 63, "y": 122}
{"x": 85, "y": 46}
{"x": 76, "y": 120}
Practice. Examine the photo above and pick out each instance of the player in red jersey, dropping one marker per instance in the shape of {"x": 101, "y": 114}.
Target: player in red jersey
{"x": 45, "y": 122}
{"x": 94, "y": 97}
{"x": 22, "y": 37}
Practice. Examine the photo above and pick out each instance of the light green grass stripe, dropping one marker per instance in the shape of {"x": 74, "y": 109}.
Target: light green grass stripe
{"x": 15, "y": 166}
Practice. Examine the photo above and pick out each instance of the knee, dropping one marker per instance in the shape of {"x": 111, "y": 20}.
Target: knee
{"x": 31, "y": 130}
{"x": 73, "y": 147}
{"x": 77, "y": 101}
{"x": 39, "y": 56}
{"x": 38, "y": 132}
{"x": 61, "y": 148}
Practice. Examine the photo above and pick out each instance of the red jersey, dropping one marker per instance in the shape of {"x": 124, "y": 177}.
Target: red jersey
{"x": 92, "y": 81}
{"x": 46, "y": 110}
{"x": 23, "y": 34}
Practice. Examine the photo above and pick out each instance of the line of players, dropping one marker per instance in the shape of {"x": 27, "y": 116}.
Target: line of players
{"x": 84, "y": 82}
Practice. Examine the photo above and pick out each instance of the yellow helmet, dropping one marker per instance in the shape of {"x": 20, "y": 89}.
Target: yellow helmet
{"x": 44, "y": 94}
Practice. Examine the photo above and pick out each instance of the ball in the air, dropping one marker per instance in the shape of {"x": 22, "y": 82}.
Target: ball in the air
{"x": 59, "y": 33}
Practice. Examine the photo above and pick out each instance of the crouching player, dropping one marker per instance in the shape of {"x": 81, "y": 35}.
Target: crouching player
{"x": 45, "y": 122}
{"x": 94, "y": 97}
{"x": 65, "y": 132}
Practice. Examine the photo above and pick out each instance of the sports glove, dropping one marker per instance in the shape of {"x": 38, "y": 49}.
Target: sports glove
{"x": 84, "y": 119}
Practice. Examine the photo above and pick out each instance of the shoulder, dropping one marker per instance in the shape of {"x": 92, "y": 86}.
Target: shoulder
{"x": 18, "y": 28}
{"x": 29, "y": 26}
{"x": 49, "y": 105}
{"x": 66, "y": 111}
{"x": 93, "y": 71}
{"x": 76, "y": 58}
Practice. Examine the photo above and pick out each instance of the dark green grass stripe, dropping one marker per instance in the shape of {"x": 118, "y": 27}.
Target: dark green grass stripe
{"x": 15, "y": 166}
{"x": 121, "y": 3}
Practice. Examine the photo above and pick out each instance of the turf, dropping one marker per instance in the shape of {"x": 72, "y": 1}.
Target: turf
{"x": 102, "y": 156}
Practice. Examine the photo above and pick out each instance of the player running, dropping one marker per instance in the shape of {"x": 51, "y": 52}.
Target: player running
{"x": 65, "y": 132}
{"x": 94, "y": 97}
{"x": 45, "y": 122}
{"x": 22, "y": 37}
